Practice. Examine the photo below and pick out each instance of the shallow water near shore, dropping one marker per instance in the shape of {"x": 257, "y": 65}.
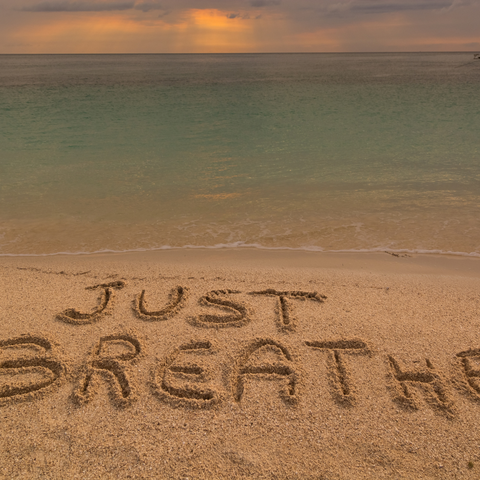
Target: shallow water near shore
{"x": 347, "y": 152}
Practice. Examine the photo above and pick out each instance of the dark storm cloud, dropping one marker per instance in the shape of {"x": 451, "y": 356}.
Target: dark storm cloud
{"x": 78, "y": 6}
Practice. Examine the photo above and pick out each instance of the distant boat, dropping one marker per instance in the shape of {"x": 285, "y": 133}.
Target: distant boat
{"x": 476, "y": 56}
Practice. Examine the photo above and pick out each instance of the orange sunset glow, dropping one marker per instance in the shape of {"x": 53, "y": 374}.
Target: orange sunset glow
{"x": 99, "y": 26}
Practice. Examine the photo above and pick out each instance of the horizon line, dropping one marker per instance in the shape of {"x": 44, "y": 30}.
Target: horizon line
{"x": 256, "y": 53}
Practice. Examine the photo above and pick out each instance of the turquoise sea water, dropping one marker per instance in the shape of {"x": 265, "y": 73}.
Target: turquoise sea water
{"x": 307, "y": 151}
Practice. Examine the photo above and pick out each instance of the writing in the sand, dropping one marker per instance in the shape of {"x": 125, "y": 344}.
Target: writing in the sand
{"x": 189, "y": 376}
{"x": 229, "y": 311}
{"x": 192, "y": 375}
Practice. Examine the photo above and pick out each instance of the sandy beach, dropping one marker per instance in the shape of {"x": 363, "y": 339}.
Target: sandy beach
{"x": 206, "y": 364}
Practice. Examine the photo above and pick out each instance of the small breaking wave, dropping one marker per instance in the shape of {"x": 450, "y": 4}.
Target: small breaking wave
{"x": 258, "y": 246}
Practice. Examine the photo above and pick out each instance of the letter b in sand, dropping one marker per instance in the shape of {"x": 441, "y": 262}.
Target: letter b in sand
{"x": 28, "y": 368}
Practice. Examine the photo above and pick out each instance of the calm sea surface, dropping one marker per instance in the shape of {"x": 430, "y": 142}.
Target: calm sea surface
{"x": 310, "y": 151}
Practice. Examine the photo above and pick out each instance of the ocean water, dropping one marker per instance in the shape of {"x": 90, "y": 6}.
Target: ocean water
{"x": 333, "y": 152}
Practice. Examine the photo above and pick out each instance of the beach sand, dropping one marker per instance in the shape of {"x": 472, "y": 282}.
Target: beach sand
{"x": 240, "y": 364}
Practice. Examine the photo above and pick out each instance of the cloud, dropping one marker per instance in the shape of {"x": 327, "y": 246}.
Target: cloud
{"x": 400, "y": 7}
{"x": 244, "y": 16}
{"x": 325, "y": 7}
{"x": 220, "y": 25}
{"x": 91, "y": 6}
{"x": 459, "y": 3}
{"x": 264, "y": 3}
{"x": 69, "y": 6}
{"x": 147, "y": 6}
{"x": 391, "y": 6}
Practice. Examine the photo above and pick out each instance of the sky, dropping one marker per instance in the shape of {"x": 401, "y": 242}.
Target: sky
{"x": 233, "y": 26}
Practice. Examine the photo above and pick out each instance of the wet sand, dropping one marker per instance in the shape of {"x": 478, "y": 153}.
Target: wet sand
{"x": 240, "y": 364}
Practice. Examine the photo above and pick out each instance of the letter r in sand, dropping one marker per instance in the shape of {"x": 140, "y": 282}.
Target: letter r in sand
{"x": 110, "y": 358}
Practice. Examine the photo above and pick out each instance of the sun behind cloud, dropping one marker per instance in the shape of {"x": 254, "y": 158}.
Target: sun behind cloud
{"x": 214, "y": 26}
{"x": 195, "y": 30}
{"x": 216, "y": 31}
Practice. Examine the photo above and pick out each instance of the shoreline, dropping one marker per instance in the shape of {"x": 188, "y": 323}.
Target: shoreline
{"x": 238, "y": 246}
{"x": 390, "y": 262}
{"x": 240, "y": 363}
